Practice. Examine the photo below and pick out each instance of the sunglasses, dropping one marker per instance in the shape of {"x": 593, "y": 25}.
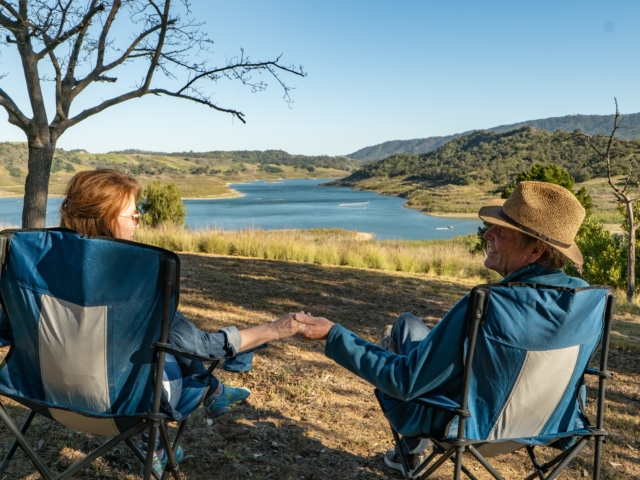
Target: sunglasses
{"x": 135, "y": 218}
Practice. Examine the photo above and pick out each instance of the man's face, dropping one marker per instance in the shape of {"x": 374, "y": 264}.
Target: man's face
{"x": 505, "y": 255}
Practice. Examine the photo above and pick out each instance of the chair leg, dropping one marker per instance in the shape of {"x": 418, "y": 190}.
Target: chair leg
{"x": 536, "y": 463}
{"x": 597, "y": 457}
{"x": 465, "y": 470}
{"x": 24, "y": 444}
{"x": 458, "y": 467}
{"x": 172, "y": 465}
{"x": 403, "y": 459}
{"x": 565, "y": 461}
{"x": 76, "y": 467}
{"x": 14, "y": 447}
{"x": 484, "y": 463}
{"x": 443, "y": 458}
{"x": 151, "y": 443}
{"x": 176, "y": 443}
{"x": 547, "y": 466}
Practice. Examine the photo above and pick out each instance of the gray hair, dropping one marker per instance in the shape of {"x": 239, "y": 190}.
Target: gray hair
{"x": 551, "y": 258}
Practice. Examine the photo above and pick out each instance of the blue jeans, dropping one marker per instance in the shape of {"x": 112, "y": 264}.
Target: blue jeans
{"x": 407, "y": 333}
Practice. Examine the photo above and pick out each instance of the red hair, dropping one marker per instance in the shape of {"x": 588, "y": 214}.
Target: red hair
{"x": 94, "y": 199}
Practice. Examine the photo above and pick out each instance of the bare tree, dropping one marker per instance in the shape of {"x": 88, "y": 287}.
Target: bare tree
{"x": 76, "y": 43}
{"x": 623, "y": 196}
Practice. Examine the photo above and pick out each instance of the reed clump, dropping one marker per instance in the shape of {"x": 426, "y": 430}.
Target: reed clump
{"x": 325, "y": 247}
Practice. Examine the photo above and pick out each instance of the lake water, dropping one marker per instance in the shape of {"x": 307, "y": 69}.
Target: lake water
{"x": 299, "y": 204}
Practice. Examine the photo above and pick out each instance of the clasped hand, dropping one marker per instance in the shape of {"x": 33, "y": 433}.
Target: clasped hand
{"x": 304, "y": 325}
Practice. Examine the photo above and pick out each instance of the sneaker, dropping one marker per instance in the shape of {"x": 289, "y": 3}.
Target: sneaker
{"x": 161, "y": 459}
{"x": 229, "y": 397}
{"x": 385, "y": 339}
{"x": 392, "y": 459}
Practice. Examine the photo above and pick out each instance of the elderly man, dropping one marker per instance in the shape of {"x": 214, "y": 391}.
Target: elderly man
{"x": 531, "y": 237}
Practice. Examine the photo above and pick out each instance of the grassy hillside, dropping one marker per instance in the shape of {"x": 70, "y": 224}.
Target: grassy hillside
{"x": 589, "y": 124}
{"x": 197, "y": 174}
{"x": 462, "y": 174}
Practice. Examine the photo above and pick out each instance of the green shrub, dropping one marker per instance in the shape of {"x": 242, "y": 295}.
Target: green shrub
{"x": 162, "y": 203}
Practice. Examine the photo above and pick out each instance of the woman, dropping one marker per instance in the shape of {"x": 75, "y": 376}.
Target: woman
{"x": 103, "y": 203}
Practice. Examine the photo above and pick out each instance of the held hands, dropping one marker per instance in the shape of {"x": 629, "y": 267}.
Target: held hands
{"x": 313, "y": 328}
{"x": 302, "y": 324}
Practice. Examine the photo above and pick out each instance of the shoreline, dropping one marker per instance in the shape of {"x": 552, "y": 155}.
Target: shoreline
{"x": 451, "y": 215}
{"x": 233, "y": 193}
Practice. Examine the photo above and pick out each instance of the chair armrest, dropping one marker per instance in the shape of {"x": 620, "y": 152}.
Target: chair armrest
{"x": 438, "y": 402}
{"x": 595, "y": 371}
{"x": 185, "y": 353}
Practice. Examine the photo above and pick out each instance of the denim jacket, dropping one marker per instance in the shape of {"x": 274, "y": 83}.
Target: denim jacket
{"x": 224, "y": 344}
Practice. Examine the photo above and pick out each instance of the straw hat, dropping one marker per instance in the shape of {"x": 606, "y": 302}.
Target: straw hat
{"x": 546, "y": 211}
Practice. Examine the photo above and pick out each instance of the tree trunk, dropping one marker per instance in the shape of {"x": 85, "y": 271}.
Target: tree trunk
{"x": 631, "y": 256}
{"x": 36, "y": 186}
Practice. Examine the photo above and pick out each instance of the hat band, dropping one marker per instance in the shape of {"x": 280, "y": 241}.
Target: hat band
{"x": 532, "y": 232}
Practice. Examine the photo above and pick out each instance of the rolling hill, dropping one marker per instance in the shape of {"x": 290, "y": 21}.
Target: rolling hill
{"x": 589, "y": 124}
{"x": 463, "y": 173}
{"x": 198, "y": 174}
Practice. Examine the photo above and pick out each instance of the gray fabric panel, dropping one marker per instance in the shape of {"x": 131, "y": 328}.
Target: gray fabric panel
{"x": 96, "y": 426}
{"x": 73, "y": 355}
{"x": 542, "y": 382}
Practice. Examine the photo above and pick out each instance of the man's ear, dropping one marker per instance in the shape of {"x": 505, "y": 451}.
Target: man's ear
{"x": 538, "y": 249}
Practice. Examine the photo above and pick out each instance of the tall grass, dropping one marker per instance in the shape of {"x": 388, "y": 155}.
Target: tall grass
{"x": 325, "y": 247}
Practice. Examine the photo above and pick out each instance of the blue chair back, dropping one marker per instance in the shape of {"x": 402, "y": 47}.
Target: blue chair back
{"x": 531, "y": 353}
{"x": 84, "y": 315}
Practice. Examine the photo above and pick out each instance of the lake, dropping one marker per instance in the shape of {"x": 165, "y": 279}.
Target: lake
{"x": 298, "y": 204}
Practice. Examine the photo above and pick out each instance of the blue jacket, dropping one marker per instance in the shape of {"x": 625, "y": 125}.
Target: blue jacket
{"x": 435, "y": 366}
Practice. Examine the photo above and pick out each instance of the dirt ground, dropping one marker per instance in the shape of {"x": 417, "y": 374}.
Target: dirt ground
{"x": 308, "y": 418}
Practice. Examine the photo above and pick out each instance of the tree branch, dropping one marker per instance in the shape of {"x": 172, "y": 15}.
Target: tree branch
{"x": 83, "y": 25}
{"x": 203, "y": 101}
{"x": 105, "y": 31}
{"x": 11, "y": 10}
{"x": 24, "y": 11}
{"x": 164, "y": 19}
{"x": 98, "y": 71}
{"x": 15, "y": 114}
{"x": 99, "y": 108}
{"x": 56, "y": 66}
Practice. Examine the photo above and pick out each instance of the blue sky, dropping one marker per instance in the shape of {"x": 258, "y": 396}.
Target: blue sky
{"x": 378, "y": 71}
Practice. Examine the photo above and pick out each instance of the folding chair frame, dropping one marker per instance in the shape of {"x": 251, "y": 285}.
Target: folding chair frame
{"x": 151, "y": 421}
{"x": 453, "y": 449}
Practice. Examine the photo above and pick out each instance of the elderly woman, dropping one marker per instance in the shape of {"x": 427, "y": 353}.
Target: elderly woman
{"x": 103, "y": 203}
{"x": 531, "y": 238}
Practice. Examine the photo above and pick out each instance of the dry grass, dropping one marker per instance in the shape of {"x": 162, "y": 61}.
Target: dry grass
{"x": 326, "y": 247}
{"x": 307, "y": 417}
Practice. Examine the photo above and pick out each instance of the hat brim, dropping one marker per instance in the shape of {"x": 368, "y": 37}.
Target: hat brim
{"x": 490, "y": 213}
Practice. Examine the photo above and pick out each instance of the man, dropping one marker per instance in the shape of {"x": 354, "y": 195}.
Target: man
{"x": 531, "y": 237}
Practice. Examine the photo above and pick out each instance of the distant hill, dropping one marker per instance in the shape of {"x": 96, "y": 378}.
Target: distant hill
{"x": 462, "y": 174}
{"x": 589, "y": 124}
{"x": 489, "y": 157}
{"x": 13, "y": 157}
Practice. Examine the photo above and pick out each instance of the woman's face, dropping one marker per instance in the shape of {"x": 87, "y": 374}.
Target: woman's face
{"x": 128, "y": 220}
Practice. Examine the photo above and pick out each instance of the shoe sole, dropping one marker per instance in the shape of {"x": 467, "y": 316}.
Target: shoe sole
{"x": 393, "y": 465}
{"x": 398, "y": 465}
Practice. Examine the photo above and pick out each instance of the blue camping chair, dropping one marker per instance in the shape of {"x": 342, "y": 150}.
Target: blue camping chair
{"x": 523, "y": 384}
{"x": 89, "y": 323}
